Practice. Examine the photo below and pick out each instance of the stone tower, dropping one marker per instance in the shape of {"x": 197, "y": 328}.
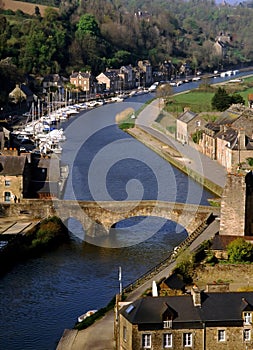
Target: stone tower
{"x": 237, "y": 205}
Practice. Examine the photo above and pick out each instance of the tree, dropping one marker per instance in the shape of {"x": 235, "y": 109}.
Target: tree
{"x": 221, "y": 100}
{"x": 88, "y": 25}
{"x": 164, "y": 91}
{"x": 237, "y": 99}
{"x": 240, "y": 251}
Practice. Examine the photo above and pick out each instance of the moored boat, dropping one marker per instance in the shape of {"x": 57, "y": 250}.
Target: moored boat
{"x": 87, "y": 314}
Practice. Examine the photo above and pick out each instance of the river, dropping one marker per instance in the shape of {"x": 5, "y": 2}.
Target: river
{"x": 43, "y": 296}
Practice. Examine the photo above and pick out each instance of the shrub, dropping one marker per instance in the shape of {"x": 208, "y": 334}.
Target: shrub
{"x": 240, "y": 251}
{"x": 185, "y": 267}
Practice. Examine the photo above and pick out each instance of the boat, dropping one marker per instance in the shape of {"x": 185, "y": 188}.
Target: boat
{"x": 87, "y": 314}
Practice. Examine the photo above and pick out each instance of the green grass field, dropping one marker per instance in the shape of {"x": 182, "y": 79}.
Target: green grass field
{"x": 200, "y": 101}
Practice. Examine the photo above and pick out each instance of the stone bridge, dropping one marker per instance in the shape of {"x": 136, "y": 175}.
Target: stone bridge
{"x": 98, "y": 217}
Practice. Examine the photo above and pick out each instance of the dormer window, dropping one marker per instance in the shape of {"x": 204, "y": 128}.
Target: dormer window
{"x": 167, "y": 324}
{"x": 247, "y": 317}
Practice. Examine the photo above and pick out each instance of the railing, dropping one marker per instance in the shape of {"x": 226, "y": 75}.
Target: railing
{"x": 171, "y": 258}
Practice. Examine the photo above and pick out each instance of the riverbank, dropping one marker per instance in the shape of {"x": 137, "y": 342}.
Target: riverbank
{"x": 24, "y": 240}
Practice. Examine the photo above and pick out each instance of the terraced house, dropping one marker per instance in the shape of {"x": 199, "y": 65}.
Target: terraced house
{"x": 198, "y": 320}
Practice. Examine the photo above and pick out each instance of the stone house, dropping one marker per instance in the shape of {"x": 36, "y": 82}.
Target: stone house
{"x": 187, "y": 124}
{"x": 20, "y": 94}
{"x": 46, "y": 178}
{"x": 172, "y": 285}
{"x": 82, "y": 81}
{"x": 229, "y": 140}
{"x": 200, "y": 320}
{"x": 127, "y": 75}
{"x": 54, "y": 81}
{"x": 222, "y": 42}
{"x": 14, "y": 178}
{"x": 110, "y": 80}
{"x": 220, "y": 48}
{"x": 144, "y": 75}
{"x": 208, "y": 140}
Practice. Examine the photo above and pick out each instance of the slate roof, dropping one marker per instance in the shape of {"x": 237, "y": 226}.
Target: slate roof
{"x": 187, "y": 116}
{"x": 220, "y": 242}
{"x": 174, "y": 282}
{"x": 215, "y": 308}
{"x": 52, "y": 167}
{"x": 12, "y": 165}
{"x": 26, "y": 90}
{"x": 230, "y": 135}
{"x": 86, "y": 75}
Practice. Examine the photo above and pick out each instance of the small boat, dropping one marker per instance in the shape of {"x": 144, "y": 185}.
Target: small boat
{"x": 87, "y": 314}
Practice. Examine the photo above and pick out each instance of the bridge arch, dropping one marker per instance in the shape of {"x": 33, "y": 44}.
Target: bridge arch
{"x": 137, "y": 229}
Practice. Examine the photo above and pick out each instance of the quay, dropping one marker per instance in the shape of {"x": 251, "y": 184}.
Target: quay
{"x": 16, "y": 225}
{"x": 100, "y": 335}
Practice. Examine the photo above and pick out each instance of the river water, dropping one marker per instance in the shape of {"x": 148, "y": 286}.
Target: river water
{"x": 43, "y": 296}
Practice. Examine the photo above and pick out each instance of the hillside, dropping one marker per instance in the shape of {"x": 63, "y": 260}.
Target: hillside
{"x": 26, "y": 7}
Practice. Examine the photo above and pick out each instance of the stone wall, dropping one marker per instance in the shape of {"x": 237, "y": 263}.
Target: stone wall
{"x": 203, "y": 337}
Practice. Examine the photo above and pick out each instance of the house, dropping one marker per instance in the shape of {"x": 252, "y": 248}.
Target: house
{"x": 208, "y": 140}
{"x": 222, "y": 43}
{"x": 20, "y": 94}
{"x": 53, "y": 81}
{"x": 229, "y": 140}
{"x": 14, "y": 178}
{"x": 110, "y": 80}
{"x": 127, "y": 75}
{"x": 199, "y": 320}
{"x": 165, "y": 71}
{"x": 144, "y": 73}
{"x": 219, "y": 245}
{"x": 46, "y": 177}
{"x": 220, "y": 48}
{"x": 250, "y": 100}
{"x": 172, "y": 285}
{"x": 82, "y": 81}
{"x": 187, "y": 124}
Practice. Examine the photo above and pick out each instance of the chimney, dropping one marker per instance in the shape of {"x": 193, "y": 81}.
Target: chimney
{"x": 196, "y": 297}
{"x": 241, "y": 139}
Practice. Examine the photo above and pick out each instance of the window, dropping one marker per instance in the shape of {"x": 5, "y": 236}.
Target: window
{"x": 124, "y": 334}
{"x": 7, "y": 183}
{"x": 146, "y": 341}
{"x": 187, "y": 339}
{"x": 167, "y": 324}
{"x": 247, "y": 317}
{"x": 7, "y": 196}
{"x": 167, "y": 340}
{"x": 246, "y": 334}
{"x": 221, "y": 335}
